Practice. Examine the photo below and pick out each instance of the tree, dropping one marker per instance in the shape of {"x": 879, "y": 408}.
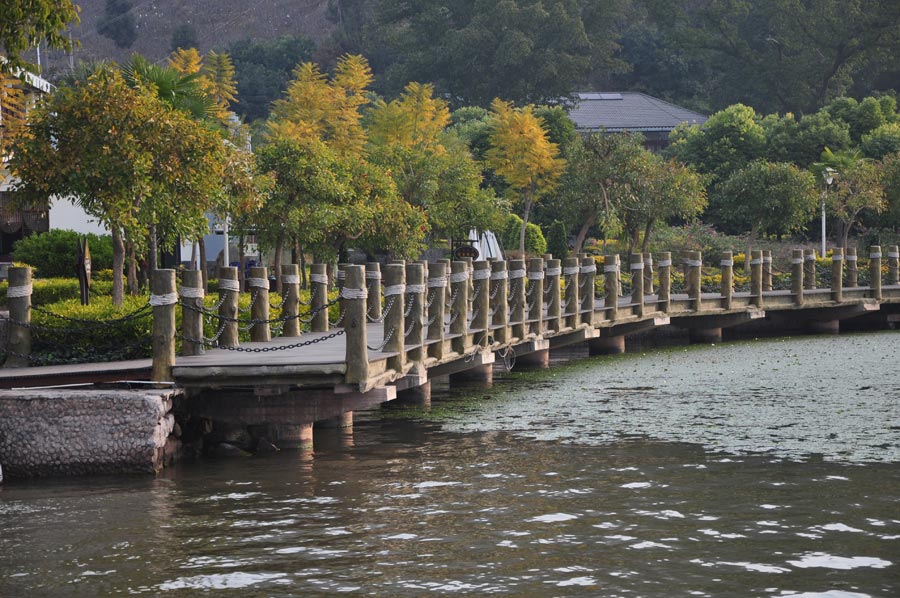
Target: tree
{"x": 801, "y": 141}
{"x": 857, "y": 188}
{"x": 522, "y": 154}
{"x": 768, "y": 197}
{"x": 117, "y": 23}
{"x": 183, "y": 36}
{"x": 128, "y": 159}
{"x": 26, "y": 23}
{"x": 882, "y": 141}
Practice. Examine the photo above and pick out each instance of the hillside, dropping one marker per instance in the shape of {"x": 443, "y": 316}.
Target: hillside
{"x": 216, "y": 23}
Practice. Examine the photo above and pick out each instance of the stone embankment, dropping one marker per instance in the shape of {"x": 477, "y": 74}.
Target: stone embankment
{"x": 53, "y": 432}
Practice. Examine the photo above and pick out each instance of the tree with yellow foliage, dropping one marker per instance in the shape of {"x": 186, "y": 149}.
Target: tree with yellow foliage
{"x": 215, "y": 76}
{"x": 521, "y": 152}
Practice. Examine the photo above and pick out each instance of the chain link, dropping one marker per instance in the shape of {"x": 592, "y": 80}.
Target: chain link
{"x": 334, "y": 334}
{"x": 384, "y": 312}
{"x": 384, "y": 343}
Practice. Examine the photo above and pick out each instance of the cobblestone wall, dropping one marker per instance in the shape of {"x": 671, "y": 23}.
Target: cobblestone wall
{"x": 74, "y": 432}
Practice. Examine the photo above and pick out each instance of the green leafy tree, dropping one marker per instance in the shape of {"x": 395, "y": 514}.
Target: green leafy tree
{"x": 522, "y": 154}
{"x": 857, "y": 188}
{"x": 558, "y": 240}
{"x": 117, "y": 23}
{"x": 881, "y": 141}
{"x": 801, "y": 141}
{"x": 55, "y": 252}
{"x": 26, "y": 23}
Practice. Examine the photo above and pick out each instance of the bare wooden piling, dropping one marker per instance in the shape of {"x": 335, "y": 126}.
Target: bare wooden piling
{"x": 290, "y": 308}
{"x": 517, "y": 300}
{"x": 354, "y": 295}
{"x": 163, "y": 298}
{"x": 229, "y": 294}
{"x": 373, "y": 283}
{"x": 837, "y": 274}
{"x": 258, "y": 285}
{"x": 394, "y": 329}
{"x": 875, "y": 271}
{"x": 19, "y": 300}
{"x": 191, "y": 313}
{"x": 500, "y": 302}
{"x": 756, "y": 276}
{"x": 665, "y": 281}
{"x": 318, "y": 297}
{"x": 535, "y": 293}
{"x": 852, "y": 267}
{"x": 797, "y": 276}
{"x": 726, "y": 263}
{"x": 551, "y": 279}
{"x": 637, "y": 283}
{"x": 436, "y": 307}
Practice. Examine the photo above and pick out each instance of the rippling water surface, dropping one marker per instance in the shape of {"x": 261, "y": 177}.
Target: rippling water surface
{"x": 763, "y": 468}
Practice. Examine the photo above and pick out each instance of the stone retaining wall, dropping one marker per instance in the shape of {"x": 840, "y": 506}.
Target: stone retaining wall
{"x": 82, "y": 431}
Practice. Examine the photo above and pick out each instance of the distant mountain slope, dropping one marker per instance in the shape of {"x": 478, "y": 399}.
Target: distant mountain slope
{"x": 217, "y": 23}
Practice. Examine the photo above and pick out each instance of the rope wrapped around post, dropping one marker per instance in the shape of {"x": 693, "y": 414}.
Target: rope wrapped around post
{"x": 19, "y": 299}
{"x": 636, "y": 265}
{"x": 394, "y": 329}
{"x": 438, "y": 282}
{"x": 290, "y": 309}
{"x": 536, "y": 291}
{"x": 587, "y": 272}
{"x": 551, "y": 281}
{"x": 665, "y": 281}
{"x": 163, "y": 298}
{"x": 354, "y": 294}
{"x": 415, "y": 322}
{"x": 318, "y": 285}
{"x": 875, "y": 271}
{"x": 459, "y": 306}
{"x": 837, "y": 274}
{"x": 809, "y": 269}
{"x": 258, "y": 285}
{"x": 852, "y": 268}
{"x": 727, "y": 267}
{"x": 518, "y": 300}
{"x": 797, "y": 276}
{"x": 611, "y": 282}
{"x": 500, "y": 301}
{"x": 481, "y": 304}
{"x": 192, "y": 313}
{"x": 229, "y": 288}
{"x": 756, "y": 276}
{"x": 572, "y": 303}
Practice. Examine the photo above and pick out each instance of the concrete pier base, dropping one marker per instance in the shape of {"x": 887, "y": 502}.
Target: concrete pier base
{"x": 344, "y": 420}
{"x": 823, "y": 326}
{"x": 606, "y": 345}
{"x": 287, "y": 436}
{"x": 699, "y": 336}
{"x": 483, "y": 374}
{"x": 417, "y": 395}
{"x": 538, "y": 360}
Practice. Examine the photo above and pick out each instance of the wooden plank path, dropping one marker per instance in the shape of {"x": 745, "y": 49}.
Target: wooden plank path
{"x": 326, "y": 359}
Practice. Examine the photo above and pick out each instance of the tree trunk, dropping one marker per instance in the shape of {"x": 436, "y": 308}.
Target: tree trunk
{"x": 303, "y": 279}
{"x": 753, "y": 232}
{"x": 132, "y": 269}
{"x": 529, "y": 201}
{"x": 118, "y": 290}
{"x": 646, "y": 242}
{"x": 590, "y": 221}
{"x": 279, "y": 259}
{"x": 204, "y": 275}
{"x": 845, "y": 233}
{"x": 153, "y": 252}
{"x": 193, "y": 256}
{"x": 242, "y": 260}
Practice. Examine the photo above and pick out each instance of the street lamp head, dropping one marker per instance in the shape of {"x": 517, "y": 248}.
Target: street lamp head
{"x": 828, "y": 175}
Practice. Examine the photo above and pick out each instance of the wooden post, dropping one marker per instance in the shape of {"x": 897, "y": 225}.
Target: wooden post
{"x": 290, "y": 289}
{"x": 318, "y": 293}
{"x": 570, "y": 272}
{"x": 837, "y": 274}
{"x": 373, "y": 283}
{"x": 394, "y": 329}
{"x": 665, "y": 281}
{"x": 727, "y": 266}
{"x": 766, "y": 270}
{"x": 500, "y": 302}
{"x": 18, "y": 297}
{"x": 340, "y": 276}
{"x": 611, "y": 285}
{"x": 893, "y": 265}
{"x": 163, "y": 298}
{"x": 437, "y": 286}
{"x": 685, "y": 271}
{"x": 536, "y": 292}
{"x": 447, "y": 290}
{"x": 258, "y": 285}
{"x": 852, "y": 270}
{"x": 875, "y": 271}
{"x": 517, "y": 298}
{"x": 191, "y": 314}
{"x": 353, "y": 294}
{"x": 694, "y": 265}
{"x": 586, "y": 276}
{"x": 459, "y": 306}
{"x": 809, "y": 269}
{"x": 797, "y": 276}
{"x": 648, "y": 273}
{"x": 552, "y": 274}
{"x": 414, "y": 325}
{"x": 637, "y": 283}
{"x": 481, "y": 304}
{"x": 229, "y": 291}
{"x": 756, "y": 277}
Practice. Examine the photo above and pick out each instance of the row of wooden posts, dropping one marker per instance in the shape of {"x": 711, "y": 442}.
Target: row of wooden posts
{"x": 427, "y": 304}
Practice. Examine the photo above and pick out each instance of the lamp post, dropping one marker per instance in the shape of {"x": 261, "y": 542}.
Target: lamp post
{"x": 828, "y": 176}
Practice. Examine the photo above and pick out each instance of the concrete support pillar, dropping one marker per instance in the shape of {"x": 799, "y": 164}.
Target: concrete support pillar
{"x": 344, "y": 421}
{"x": 875, "y": 271}
{"x": 606, "y": 345}
{"x": 482, "y": 374}
{"x": 537, "y": 360}
{"x": 824, "y": 327}
{"x": 705, "y": 335}
{"x": 852, "y": 269}
{"x": 756, "y": 277}
{"x": 288, "y": 436}
{"x": 290, "y": 289}
{"x": 551, "y": 280}
{"x": 417, "y": 395}
{"x": 229, "y": 293}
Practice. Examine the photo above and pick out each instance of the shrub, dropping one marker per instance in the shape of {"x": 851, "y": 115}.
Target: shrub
{"x": 52, "y": 290}
{"x": 55, "y": 253}
{"x": 534, "y": 237}
{"x": 558, "y": 240}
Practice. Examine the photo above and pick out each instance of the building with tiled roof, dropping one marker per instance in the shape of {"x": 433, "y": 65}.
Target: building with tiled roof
{"x": 631, "y": 111}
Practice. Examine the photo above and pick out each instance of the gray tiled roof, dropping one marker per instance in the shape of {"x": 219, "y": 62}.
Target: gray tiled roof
{"x": 628, "y": 111}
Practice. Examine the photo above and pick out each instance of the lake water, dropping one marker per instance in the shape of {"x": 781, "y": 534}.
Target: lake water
{"x": 758, "y": 468}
